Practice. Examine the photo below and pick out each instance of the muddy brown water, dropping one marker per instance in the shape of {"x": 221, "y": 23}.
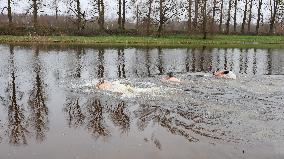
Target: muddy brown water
{"x": 50, "y": 108}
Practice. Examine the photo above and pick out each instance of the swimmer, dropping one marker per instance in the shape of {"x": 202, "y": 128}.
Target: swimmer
{"x": 170, "y": 77}
{"x": 225, "y": 74}
{"x": 114, "y": 86}
{"x": 102, "y": 84}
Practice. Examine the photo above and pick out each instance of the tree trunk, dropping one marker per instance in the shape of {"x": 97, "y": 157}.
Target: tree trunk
{"x": 10, "y": 13}
{"x": 213, "y": 16}
{"x": 221, "y": 16}
{"x": 162, "y": 17}
{"x": 102, "y": 14}
{"x": 55, "y": 7}
{"x": 123, "y": 14}
{"x": 235, "y": 16}
{"x": 149, "y": 17}
{"x": 137, "y": 18}
{"x": 229, "y": 17}
{"x": 245, "y": 17}
{"x": 79, "y": 16}
{"x": 56, "y": 12}
{"x": 189, "y": 17}
{"x": 119, "y": 15}
{"x": 35, "y": 11}
{"x": 258, "y": 16}
{"x": 204, "y": 19}
{"x": 99, "y": 12}
{"x": 250, "y": 16}
{"x": 273, "y": 17}
{"x": 196, "y": 6}
{"x": 101, "y": 20}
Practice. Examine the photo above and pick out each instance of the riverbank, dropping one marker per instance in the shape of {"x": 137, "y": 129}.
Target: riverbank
{"x": 221, "y": 41}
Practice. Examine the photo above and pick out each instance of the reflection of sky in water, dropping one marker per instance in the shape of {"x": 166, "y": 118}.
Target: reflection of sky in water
{"x": 49, "y": 113}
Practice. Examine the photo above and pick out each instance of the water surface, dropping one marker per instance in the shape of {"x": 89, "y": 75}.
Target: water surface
{"x": 50, "y": 107}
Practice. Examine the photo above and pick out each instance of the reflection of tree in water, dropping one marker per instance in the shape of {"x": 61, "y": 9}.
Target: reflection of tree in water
{"x": 225, "y": 59}
{"x": 93, "y": 116}
{"x": 38, "y": 110}
{"x": 78, "y": 68}
{"x": 148, "y": 62}
{"x": 188, "y": 60}
{"x": 101, "y": 68}
{"x": 75, "y": 117}
{"x": 269, "y": 61}
{"x": 120, "y": 118}
{"x": 17, "y": 130}
{"x": 121, "y": 64}
{"x": 160, "y": 61}
{"x": 178, "y": 122}
{"x": 95, "y": 120}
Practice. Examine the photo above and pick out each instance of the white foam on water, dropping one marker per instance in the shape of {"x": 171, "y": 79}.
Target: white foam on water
{"x": 125, "y": 90}
{"x": 230, "y": 75}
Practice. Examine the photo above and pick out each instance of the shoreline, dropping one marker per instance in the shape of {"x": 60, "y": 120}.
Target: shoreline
{"x": 218, "y": 41}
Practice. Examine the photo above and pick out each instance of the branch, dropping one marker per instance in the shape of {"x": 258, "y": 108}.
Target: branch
{"x": 3, "y": 10}
{"x": 71, "y": 9}
{"x": 28, "y": 10}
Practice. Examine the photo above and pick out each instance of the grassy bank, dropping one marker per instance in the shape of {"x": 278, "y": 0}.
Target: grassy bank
{"x": 224, "y": 41}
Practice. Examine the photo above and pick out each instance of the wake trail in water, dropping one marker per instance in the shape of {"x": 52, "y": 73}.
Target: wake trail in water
{"x": 125, "y": 89}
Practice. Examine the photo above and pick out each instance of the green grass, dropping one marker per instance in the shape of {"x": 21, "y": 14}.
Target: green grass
{"x": 221, "y": 41}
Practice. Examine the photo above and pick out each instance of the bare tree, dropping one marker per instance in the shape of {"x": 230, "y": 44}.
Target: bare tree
{"x": 135, "y": 4}
{"x": 9, "y": 9}
{"x": 229, "y": 17}
{"x": 196, "y": 10}
{"x": 144, "y": 10}
{"x": 162, "y": 16}
{"x": 75, "y": 9}
{"x": 137, "y": 14}
{"x": 35, "y": 13}
{"x": 250, "y": 15}
{"x": 55, "y": 6}
{"x": 121, "y": 14}
{"x": 221, "y": 16}
{"x": 166, "y": 10}
{"x": 204, "y": 14}
{"x": 35, "y": 7}
{"x": 149, "y": 13}
{"x": 79, "y": 15}
{"x": 245, "y": 17}
{"x": 189, "y": 12}
{"x": 119, "y": 20}
{"x": 258, "y": 16}
{"x": 99, "y": 7}
{"x": 274, "y": 8}
{"x": 235, "y": 16}
{"x": 213, "y": 15}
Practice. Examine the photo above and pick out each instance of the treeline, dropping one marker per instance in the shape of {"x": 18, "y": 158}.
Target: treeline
{"x": 145, "y": 17}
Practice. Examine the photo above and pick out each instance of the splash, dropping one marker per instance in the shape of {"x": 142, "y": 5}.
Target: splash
{"x": 125, "y": 89}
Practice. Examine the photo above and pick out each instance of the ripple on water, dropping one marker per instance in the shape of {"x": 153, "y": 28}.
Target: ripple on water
{"x": 229, "y": 110}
